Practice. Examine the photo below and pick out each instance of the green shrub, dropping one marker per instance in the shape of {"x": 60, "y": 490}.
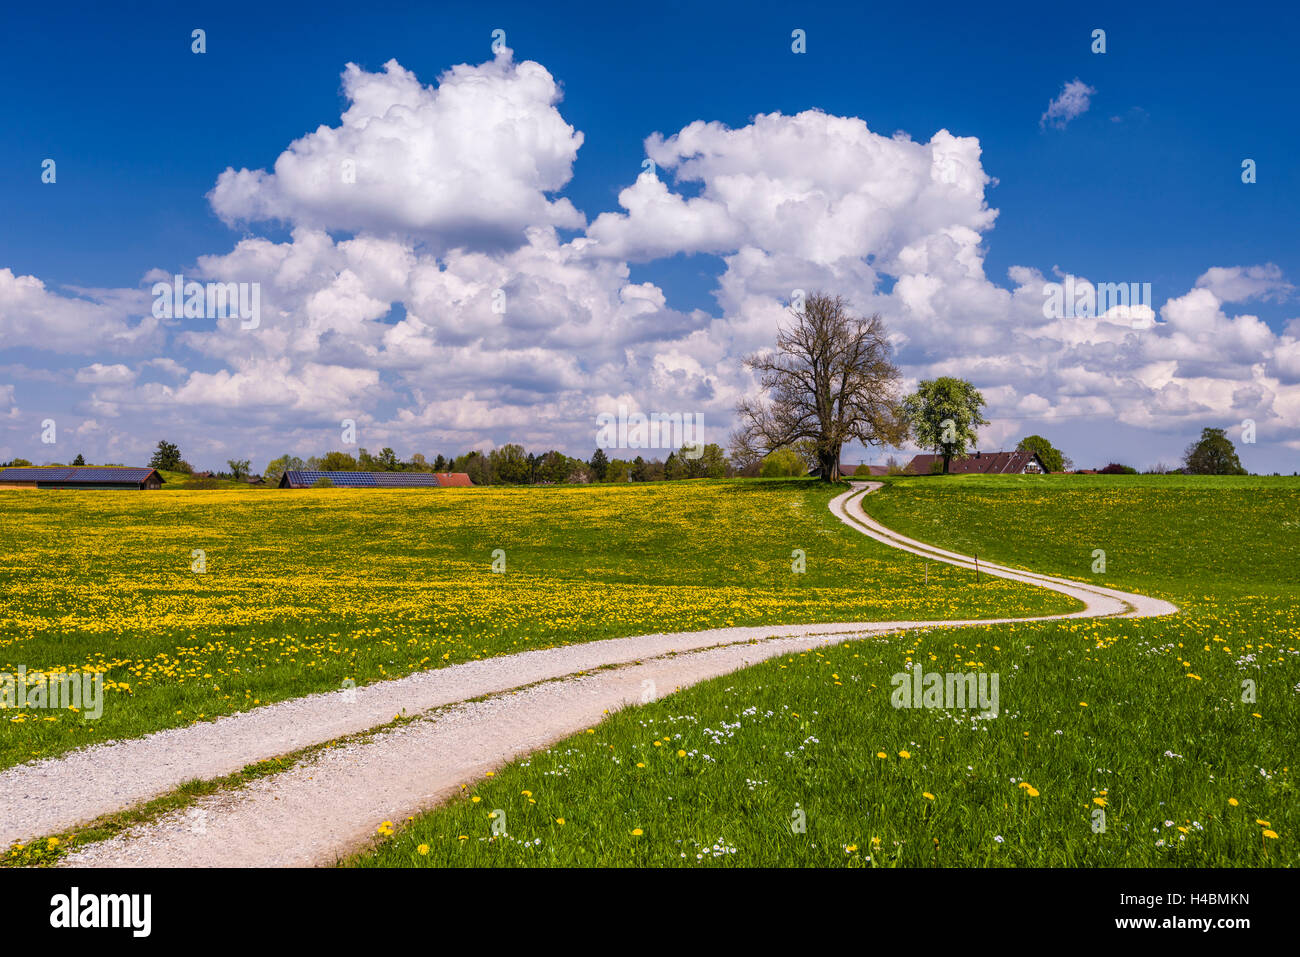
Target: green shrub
{"x": 783, "y": 463}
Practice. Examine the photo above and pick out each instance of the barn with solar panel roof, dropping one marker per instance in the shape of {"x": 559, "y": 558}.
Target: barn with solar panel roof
{"x": 306, "y": 478}
{"x": 79, "y": 477}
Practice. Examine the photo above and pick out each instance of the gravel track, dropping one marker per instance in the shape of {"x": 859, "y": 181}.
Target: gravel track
{"x": 332, "y": 801}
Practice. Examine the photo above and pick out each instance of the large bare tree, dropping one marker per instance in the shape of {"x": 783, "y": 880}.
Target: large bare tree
{"x": 829, "y": 381}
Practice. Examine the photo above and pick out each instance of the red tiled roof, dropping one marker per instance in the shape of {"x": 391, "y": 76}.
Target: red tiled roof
{"x": 453, "y": 479}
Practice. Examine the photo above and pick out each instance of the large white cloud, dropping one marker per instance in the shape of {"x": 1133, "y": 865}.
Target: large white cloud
{"x": 468, "y": 162}
{"x": 816, "y": 186}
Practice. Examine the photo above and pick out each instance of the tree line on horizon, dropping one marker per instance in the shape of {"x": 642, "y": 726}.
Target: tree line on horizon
{"x": 512, "y": 464}
{"x": 1212, "y": 454}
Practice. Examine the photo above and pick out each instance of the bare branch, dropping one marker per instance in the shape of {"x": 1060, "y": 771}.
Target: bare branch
{"x": 830, "y": 381}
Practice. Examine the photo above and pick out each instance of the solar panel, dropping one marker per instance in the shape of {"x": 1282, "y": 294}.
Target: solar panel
{"x": 405, "y": 480}
{"x": 352, "y": 479}
{"x": 345, "y": 479}
{"x": 88, "y": 474}
{"x": 309, "y": 477}
{"x": 109, "y": 474}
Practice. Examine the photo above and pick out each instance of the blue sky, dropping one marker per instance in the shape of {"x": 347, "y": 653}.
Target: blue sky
{"x": 1143, "y": 185}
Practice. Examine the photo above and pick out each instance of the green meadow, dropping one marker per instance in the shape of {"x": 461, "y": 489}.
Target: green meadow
{"x": 1157, "y": 742}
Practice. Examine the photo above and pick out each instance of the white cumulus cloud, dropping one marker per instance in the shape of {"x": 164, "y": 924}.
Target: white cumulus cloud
{"x": 468, "y": 162}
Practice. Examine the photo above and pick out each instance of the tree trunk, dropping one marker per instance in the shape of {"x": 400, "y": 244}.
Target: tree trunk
{"x": 829, "y": 463}
{"x": 947, "y": 457}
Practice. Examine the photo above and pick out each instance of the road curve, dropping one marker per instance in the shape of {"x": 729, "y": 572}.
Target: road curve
{"x": 1098, "y": 601}
{"x": 331, "y": 802}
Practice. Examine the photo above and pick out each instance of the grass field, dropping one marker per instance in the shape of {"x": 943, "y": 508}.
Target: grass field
{"x": 1119, "y": 743}
{"x": 303, "y": 590}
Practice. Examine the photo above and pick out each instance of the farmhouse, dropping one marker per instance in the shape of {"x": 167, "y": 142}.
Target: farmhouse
{"x": 1019, "y": 462}
{"x": 79, "y": 477}
{"x": 306, "y": 478}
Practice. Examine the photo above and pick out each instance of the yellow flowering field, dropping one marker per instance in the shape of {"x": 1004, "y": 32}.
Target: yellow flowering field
{"x": 194, "y": 604}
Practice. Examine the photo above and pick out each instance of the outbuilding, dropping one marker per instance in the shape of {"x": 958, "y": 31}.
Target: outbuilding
{"x": 1019, "y": 462}
{"x": 79, "y": 477}
{"x": 306, "y": 478}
